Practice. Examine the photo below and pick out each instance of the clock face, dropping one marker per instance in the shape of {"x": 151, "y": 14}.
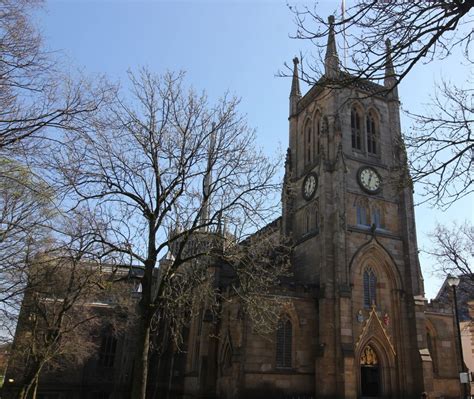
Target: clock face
{"x": 369, "y": 179}
{"x": 310, "y": 184}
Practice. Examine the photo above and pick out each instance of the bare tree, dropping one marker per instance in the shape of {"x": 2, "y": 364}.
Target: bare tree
{"x": 34, "y": 94}
{"x": 164, "y": 171}
{"x": 441, "y": 145}
{"x": 53, "y": 322}
{"x": 57, "y": 317}
{"x": 26, "y": 206}
{"x": 35, "y": 99}
{"x": 452, "y": 249}
{"x": 412, "y": 32}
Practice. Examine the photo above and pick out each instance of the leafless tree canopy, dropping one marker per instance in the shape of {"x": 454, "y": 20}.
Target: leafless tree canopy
{"x": 441, "y": 145}
{"x": 34, "y": 94}
{"x": 35, "y": 99}
{"x": 26, "y": 206}
{"x": 452, "y": 249}
{"x": 62, "y": 277}
{"x": 58, "y": 319}
{"x": 161, "y": 171}
{"x": 150, "y": 158}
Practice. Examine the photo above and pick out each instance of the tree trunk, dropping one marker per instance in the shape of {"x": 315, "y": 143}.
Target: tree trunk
{"x": 31, "y": 382}
{"x": 22, "y": 393}
{"x": 140, "y": 369}
{"x": 35, "y": 387}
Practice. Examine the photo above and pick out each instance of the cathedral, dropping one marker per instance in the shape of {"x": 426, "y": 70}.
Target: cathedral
{"x": 356, "y": 323}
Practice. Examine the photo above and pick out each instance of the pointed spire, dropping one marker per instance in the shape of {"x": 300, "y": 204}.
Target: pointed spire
{"x": 390, "y": 80}
{"x": 331, "y": 60}
{"x": 295, "y": 83}
{"x": 295, "y": 93}
{"x": 331, "y": 46}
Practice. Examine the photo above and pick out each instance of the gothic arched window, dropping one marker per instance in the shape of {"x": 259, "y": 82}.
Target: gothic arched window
{"x": 356, "y": 129}
{"x": 372, "y": 133}
{"x": 370, "y": 285}
{"x": 317, "y": 129}
{"x": 308, "y": 146}
{"x": 284, "y": 338}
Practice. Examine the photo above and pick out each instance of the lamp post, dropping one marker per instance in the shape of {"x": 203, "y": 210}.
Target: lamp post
{"x": 453, "y": 282}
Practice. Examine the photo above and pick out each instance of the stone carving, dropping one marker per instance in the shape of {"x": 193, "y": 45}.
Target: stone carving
{"x": 368, "y": 357}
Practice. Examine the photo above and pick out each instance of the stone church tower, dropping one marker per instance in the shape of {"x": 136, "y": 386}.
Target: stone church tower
{"x": 349, "y": 210}
{"x": 356, "y": 324}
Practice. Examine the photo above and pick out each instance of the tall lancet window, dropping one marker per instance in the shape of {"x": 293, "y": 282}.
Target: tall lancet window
{"x": 317, "y": 130}
{"x": 308, "y": 146}
{"x": 370, "y": 287}
{"x": 283, "y": 343}
{"x": 356, "y": 129}
{"x": 371, "y": 126}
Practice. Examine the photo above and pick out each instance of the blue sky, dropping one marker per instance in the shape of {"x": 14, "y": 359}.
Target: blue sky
{"x": 223, "y": 45}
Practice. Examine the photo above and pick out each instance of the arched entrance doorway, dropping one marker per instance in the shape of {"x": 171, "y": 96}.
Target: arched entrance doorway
{"x": 370, "y": 377}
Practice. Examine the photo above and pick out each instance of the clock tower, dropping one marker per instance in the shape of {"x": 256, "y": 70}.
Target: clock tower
{"x": 348, "y": 210}
{"x": 351, "y": 318}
